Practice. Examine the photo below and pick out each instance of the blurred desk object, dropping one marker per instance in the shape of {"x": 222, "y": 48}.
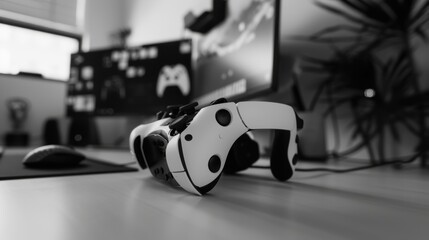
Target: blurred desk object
{"x": 11, "y": 167}
{"x": 382, "y": 203}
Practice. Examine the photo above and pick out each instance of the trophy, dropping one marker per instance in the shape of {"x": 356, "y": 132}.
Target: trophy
{"x": 18, "y": 111}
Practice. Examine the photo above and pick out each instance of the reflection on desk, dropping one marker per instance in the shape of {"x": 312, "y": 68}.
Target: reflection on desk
{"x": 382, "y": 203}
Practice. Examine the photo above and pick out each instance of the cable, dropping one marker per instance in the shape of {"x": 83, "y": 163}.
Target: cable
{"x": 260, "y": 167}
{"x": 392, "y": 162}
{"x": 126, "y": 164}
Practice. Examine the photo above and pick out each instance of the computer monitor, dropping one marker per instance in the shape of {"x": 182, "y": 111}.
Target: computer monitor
{"x": 239, "y": 59}
{"x": 132, "y": 81}
{"x": 248, "y": 57}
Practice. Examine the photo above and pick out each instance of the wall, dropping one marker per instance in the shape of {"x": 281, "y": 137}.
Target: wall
{"x": 102, "y": 17}
{"x": 160, "y": 20}
{"x": 46, "y": 100}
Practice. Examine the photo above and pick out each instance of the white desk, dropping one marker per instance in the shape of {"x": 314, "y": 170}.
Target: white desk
{"x": 380, "y": 203}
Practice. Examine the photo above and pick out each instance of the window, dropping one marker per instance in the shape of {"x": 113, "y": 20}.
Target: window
{"x": 38, "y": 36}
{"x": 27, "y": 50}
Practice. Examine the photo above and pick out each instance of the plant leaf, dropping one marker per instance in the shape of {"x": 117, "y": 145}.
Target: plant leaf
{"x": 423, "y": 10}
{"x": 347, "y": 16}
{"x": 421, "y": 33}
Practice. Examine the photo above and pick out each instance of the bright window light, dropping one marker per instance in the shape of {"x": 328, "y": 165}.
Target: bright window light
{"x": 26, "y": 50}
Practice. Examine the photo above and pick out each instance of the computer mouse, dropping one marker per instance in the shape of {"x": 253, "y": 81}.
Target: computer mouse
{"x": 53, "y": 156}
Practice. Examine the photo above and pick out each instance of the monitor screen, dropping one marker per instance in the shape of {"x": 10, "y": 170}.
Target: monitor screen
{"x": 238, "y": 58}
{"x": 133, "y": 81}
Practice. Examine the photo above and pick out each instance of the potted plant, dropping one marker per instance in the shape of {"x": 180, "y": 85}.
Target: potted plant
{"x": 372, "y": 68}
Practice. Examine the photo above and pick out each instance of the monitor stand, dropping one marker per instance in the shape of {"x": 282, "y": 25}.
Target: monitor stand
{"x": 83, "y": 131}
{"x": 312, "y": 138}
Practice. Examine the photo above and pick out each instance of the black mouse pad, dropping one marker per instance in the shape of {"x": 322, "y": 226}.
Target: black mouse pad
{"x": 11, "y": 167}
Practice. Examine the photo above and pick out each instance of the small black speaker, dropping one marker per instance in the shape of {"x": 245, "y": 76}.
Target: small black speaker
{"x": 51, "y": 132}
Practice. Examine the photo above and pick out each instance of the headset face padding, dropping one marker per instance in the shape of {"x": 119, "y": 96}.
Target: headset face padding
{"x": 243, "y": 154}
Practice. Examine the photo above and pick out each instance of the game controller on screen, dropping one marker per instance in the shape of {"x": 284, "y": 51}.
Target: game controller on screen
{"x": 190, "y": 148}
{"x": 173, "y": 76}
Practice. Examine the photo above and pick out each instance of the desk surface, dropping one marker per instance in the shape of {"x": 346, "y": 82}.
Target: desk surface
{"x": 381, "y": 203}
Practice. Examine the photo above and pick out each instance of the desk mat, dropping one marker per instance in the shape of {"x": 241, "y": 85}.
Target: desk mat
{"x": 11, "y": 167}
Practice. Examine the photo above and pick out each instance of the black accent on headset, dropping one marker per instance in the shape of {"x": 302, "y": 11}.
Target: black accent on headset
{"x": 188, "y": 109}
{"x": 242, "y": 155}
{"x": 202, "y": 190}
{"x": 172, "y": 111}
{"x": 219, "y": 101}
{"x": 181, "y": 123}
{"x": 160, "y": 115}
{"x": 299, "y": 122}
{"x": 279, "y": 162}
{"x": 139, "y": 152}
{"x": 154, "y": 150}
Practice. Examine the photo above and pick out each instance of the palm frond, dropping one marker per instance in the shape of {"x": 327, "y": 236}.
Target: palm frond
{"x": 394, "y": 17}
{"x": 420, "y": 17}
{"x": 355, "y": 19}
{"x": 373, "y": 51}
